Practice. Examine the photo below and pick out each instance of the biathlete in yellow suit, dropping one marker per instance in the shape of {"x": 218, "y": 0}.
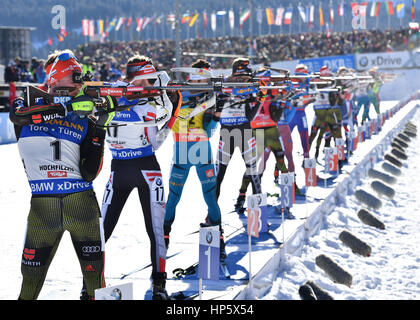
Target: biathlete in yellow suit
{"x": 192, "y": 148}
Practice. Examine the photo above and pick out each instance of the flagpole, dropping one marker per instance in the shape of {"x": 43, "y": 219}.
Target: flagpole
{"x": 251, "y": 24}
{"x": 177, "y": 37}
{"x": 290, "y": 26}
{"x": 300, "y": 19}
{"x": 163, "y": 28}
{"x": 329, "y": 14}
{"x": 154, "y": 29}
{"x": 205, "y": 27}
{"x": 320, "y": 10}
{"x": 196, "y": 29}
{"x": 224, "y": 25}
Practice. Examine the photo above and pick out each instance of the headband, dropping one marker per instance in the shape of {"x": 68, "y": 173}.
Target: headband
{"x": 139, "y": 69}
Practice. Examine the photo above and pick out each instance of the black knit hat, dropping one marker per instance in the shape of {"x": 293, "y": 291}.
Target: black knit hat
{"x": 240, "y": 66}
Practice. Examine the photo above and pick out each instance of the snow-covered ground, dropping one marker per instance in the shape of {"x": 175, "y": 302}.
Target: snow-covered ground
{"x": 394, "y": 256}
{"x": 393, "y": 269}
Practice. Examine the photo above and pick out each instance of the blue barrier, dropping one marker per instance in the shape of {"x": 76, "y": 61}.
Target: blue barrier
{"x": 7, "y": 132}
{"x": 333, "y": 62}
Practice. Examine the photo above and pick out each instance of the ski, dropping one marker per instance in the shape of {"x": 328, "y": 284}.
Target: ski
{"x": 145, "y": 267}
{"x": 181, "y": 296}
{"x": 276, "y": 195}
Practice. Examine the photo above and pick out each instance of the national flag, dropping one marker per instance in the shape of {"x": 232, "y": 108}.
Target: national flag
{"x": 259, "y": 15}
{"x": 374, "y": 10}
{"x": 363, "y": 9}
{"x": 205, "y": 18}
{"x": 331, "y": 15}
{"x": 254, "y": 44}
{"x": 193, "y": 19}
{"x": 63, "y": 32}
{"x": 279, "y": 16}
{"x": 170, "y": 17}
{"x": 213, "y": 21}
{"x": 400, "y": 10}
{"x": 327, "y": 25}
{"x": 120, "y": 23}
{"x": 50, "y": 41}
{"x": 341, "y": 9}
{"x": 101, "y": 26}
{"x": 128, "y": 24}
{"x": 243, "y": 17}
{"x": 231, "y": 19}
{"x": 311, "y": 15}
{"x": 185, "y": 18}
{"x": 321, "y": 17}
{"x": 158, "y": 20}
{"x": 91, "y": 28}
{"x": 288, "y": 15}
{"x": 413, "y": 26}
{"x": 139, "y": 24}
{"x": 146, "y": 22}
{"x": 390, "y": 8}
{"x": 270, "y": 17}
{"x": 112, "y": 25}
{"x": 302, "y": 13}
{"x": 85, "y": 27}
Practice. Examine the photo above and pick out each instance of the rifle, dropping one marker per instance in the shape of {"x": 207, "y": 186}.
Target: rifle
{"x": 32, "y": 95}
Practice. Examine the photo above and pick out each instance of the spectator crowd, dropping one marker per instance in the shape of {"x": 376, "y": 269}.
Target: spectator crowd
{"x": 106, "y": 61}
{"x": 25, "y": 71}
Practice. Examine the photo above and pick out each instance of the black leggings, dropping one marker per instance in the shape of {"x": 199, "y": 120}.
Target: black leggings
{"x": 244, "y": 139}
{"x": 145, "y": 175}
{"x": 49, "y": 216}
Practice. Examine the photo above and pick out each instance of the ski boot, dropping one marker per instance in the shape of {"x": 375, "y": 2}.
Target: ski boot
{"x": 298, "y": 192}
{"x": 340, "y": 166}
{"x": 239, "y": 205}
{"x": 223, "y": 254}
{"x": 159, "y": 282}
{"x": 84, "y": 294}
{"x": 206, "y": 222}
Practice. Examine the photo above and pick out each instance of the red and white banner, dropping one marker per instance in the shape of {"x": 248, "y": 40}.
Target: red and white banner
{"x": 91, "y": 28}
{"x": 279, "y": 16}
{"x": 85, "y": 27}
{"x": 139, "y": 24}
{"x": 341, "y": 9}
{"x": 120, "y": 23}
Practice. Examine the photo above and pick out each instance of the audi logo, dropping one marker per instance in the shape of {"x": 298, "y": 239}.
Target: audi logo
{"x": 91, "y": 249}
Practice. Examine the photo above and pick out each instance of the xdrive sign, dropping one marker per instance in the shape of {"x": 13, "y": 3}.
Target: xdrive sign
{"x": 388, "y": 60}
